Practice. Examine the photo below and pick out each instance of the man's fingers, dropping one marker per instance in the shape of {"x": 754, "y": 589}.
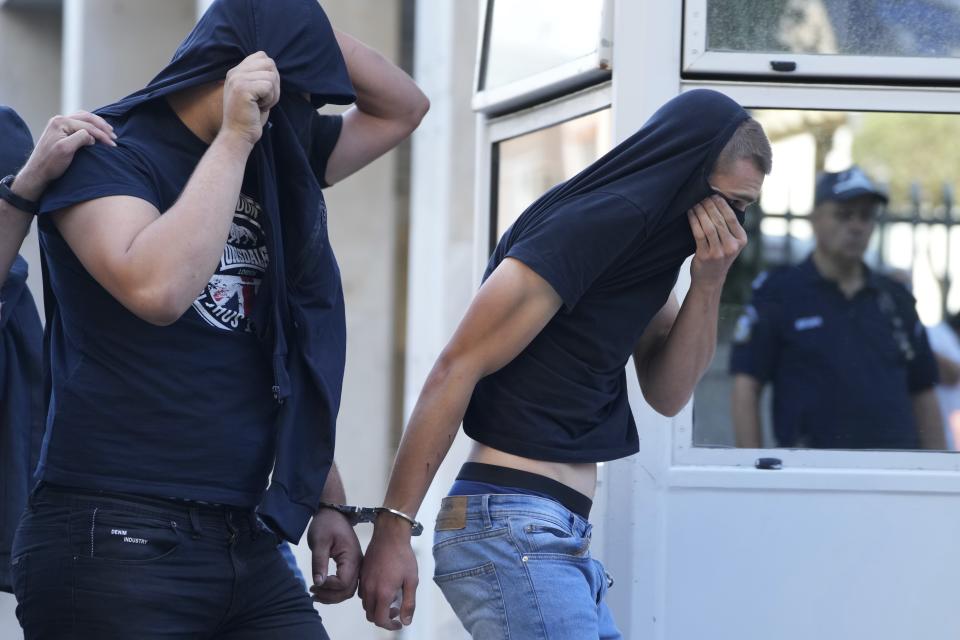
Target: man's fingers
{"x": 730, "y": 220}
{"x": 698, "y": 234}
{"x": 72, "y": 125}
{"x": 252, "y": 64}
{"x": 727, "y": 212}
{"x": 409, "y": 601}
{"x": 257, "y": 56}
{"x": 264, "y": 92}
{"x": 708, "y": 226}
{"x": 731, "y": 232}
{"x": 96, "y": 121}
{"x": 348, "y": 570}
{"x": 256, "y": 76}
{"x": 333, "y": 591}
{"x": 321, "y": 562}
{"x": 69, "y": 145}
{"x": 381, "y": 615}
{"x": 715, "y": 207}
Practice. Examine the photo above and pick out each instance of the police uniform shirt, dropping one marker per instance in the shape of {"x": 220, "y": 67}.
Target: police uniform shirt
{"x": 843, "y": 369}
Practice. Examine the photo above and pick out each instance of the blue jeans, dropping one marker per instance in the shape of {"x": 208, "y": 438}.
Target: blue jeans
{"x": 88, "y": 565}
{"x": 519, "y": 566}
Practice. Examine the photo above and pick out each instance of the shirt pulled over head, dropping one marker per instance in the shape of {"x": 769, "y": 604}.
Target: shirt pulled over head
{"x": 610, "y": 241}
{"x": 205, "y": 408}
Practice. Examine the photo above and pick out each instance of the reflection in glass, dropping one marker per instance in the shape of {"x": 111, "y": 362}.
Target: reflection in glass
{"x": 921, "y": 28}
{"x": 532, "y": 163}
{"x": 527, "y": 37}
{"x": 913, "y": 240}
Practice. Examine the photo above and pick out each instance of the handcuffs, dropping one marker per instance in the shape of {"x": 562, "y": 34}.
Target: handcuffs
{"x": 355, "y": 515}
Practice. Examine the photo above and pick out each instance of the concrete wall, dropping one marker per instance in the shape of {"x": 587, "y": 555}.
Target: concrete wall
{"x": 30, "y": 83}
{"x": 114, "y": 47}
{"x": 442, "y": 279}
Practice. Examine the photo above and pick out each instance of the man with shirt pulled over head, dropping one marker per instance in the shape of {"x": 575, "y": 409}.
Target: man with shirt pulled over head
{"x": 536, "y": 372}
{"x": 842, "y": 345}
{"x": 198, "y": 339}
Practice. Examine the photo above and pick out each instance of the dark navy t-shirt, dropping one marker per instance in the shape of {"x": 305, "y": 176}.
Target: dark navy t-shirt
{"x": 184, "y": 411}
{"x": 564, "y": 397}
{"x": 843, "y": 369}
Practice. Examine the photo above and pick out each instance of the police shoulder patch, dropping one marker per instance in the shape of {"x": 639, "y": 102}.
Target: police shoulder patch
{"x": 744, "y": 327}
{"x": 759, "y": 280}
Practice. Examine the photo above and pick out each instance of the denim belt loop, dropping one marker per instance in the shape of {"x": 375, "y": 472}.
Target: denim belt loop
{"x": 485, "y": 510}
{"x": 254, "y": 524}
{"x": 194, "y": 522}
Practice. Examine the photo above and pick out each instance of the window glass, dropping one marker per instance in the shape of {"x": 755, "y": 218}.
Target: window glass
{"x": 911, "y": 28}
{"x": 527, "y": 37}
{"x": 824, "y": 360}
{"x": 530, "y": 164}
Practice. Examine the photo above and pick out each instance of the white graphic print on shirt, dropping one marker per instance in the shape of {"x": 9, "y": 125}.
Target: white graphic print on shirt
{"x": 228, "y": 299}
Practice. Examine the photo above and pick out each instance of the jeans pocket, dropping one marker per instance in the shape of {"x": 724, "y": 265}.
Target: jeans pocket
{"x": 115, "y": 535}
{"x": 546, "y": 538}
{"x": 477, "y": 599}
{"x": 443, "y": 539}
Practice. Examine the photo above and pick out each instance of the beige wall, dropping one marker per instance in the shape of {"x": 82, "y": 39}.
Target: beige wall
{"x": 442, "y": 277}
{"x": 30, "y": 69}
{"x": 114, "y": 47}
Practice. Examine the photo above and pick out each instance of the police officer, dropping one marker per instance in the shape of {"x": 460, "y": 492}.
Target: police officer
{"x": 842, "y": 345}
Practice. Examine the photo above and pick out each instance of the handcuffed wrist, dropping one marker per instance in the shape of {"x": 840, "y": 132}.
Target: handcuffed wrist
{"x": 415, "y": 527}
{"x": 356, "y": 515}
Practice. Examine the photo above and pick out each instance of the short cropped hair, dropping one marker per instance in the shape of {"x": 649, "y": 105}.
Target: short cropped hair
{"x": 749, "y": 142}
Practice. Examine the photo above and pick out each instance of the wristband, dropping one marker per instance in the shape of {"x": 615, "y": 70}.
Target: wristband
{"x": 7, "y": 194}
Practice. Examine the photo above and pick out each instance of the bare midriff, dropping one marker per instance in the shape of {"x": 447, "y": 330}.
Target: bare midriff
{"x": 579, "y": 476}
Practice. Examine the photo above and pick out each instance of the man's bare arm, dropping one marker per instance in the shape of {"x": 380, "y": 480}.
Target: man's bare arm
{"x": 156, "y": 265}
{"x": 333, "y": 490}
{"x": 508, "y": 312}
{"x": 926, "y": 412}
{"x": 14, "y": 225}
{"x": 389, "y": 107}
{"x": 510, "y": 309}
{"x": 745, "y": 406}
{"x": 949, "y": 370}
{"x": 678, "y": 346}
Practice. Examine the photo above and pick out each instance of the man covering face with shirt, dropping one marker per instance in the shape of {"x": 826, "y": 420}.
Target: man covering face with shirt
{"x": 579, "y": 284}
{"x": 198, "y": 338}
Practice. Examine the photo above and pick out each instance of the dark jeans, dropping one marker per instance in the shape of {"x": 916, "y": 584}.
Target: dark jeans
{"x": 94, "y": 565}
